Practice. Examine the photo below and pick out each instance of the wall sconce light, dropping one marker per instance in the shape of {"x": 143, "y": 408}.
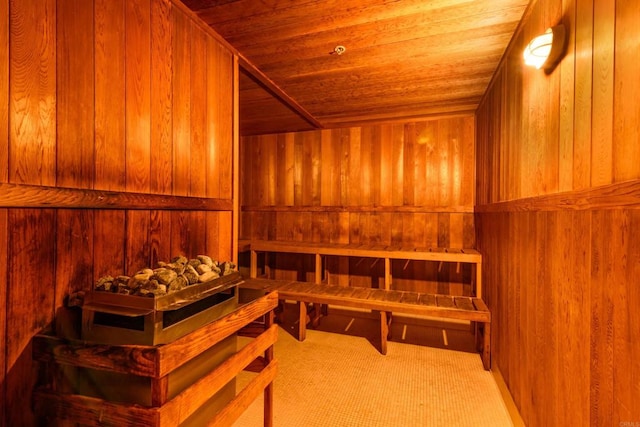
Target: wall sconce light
{"x": 546, "y": 50}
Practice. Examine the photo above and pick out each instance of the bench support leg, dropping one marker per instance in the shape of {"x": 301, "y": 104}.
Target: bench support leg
{"x": 302, "y": 324}
{"x": 319, "y": 310}
{"x": 389, "y": 320}
{"x": 486, "y": 346}
{"x": 384, "y": 331}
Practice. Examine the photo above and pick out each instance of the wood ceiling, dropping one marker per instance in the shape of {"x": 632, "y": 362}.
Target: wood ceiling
{"x": 403, "y": 58}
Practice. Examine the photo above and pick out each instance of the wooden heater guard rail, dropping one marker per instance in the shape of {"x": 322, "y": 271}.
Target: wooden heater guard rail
{"x": 387, "y": 253}
{"x": 157, "y": 362}
{"x": 383, "y": 301}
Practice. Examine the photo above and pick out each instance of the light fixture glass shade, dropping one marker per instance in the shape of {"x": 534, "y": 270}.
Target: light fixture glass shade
{"x": 538, "y": 49}
{"x": 545, "y": 50}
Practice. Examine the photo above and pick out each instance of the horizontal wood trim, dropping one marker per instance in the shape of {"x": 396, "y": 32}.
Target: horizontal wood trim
{"x": 91, "y": 410}
{"x": 390, "y": 209}
{"x": 624, "y": 195}
{"x": 439, "y": 110}
{"x": 35, "y": 196}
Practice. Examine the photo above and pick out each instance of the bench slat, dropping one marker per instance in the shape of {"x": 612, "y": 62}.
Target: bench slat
{"x": 410, "y": 298}
{"x": 361, "y": 293}
{"x": 377, "y": 295}
{"x": 464, "y": 303}
{"x": 427, "y": 299}
{"x": 445, "y": 301}
{"x": 393, "y": 296}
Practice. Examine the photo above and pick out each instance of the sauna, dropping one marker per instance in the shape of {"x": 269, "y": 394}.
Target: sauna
{"x": 366, "y": 207}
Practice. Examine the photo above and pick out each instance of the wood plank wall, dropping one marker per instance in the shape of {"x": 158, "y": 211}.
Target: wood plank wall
{"x": 558, "y": 218}
{"x": 405, "y": 184}
{"x": 103, "y": 98}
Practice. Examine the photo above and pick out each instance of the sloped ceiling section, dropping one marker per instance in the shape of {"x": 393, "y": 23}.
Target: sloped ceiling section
{"x": 402, "y": 58}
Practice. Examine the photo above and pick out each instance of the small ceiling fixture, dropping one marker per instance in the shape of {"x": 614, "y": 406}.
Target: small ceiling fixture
{"x": 546, "y": 50}
{"x": 339, "y": 50}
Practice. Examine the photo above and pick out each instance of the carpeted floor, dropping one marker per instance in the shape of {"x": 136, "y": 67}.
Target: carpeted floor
{"x": 341, "y": 380}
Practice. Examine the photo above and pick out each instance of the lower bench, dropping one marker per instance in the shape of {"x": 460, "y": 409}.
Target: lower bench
{"x": 383, "y": 301}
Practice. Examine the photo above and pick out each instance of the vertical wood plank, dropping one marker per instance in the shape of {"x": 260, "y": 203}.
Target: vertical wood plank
{"x": 138, "y": 94}
{"x": 573, "y": 305}
{"x": 137, "y": 249}
{"x": 32, "y": 89}
{"x": 625, "y": 383}
{"x": 425, "y": 171}
{"x": 109, "y": 243}
{"x": 74, "y": 253}
{"x": 337, "y": 160}
{"x": 444, "y": 152}
{"x": 30, "y": 309}
{"x": 159, "y": 236}
{"x": 226, "y": 130}
{"x": 326, "y": 168}
{"x": 603, "y": 67}
{"x": 583, "y": 94}
{"x": 514, "y": 104}
{"x": 632, "y": 294}
{"x": 603, "y": 256}
{"x": 4, "y": 98}
{"x": 212, "y": 235}
{"x": 397, "y": 163}
{"x": 181, "y": 111}
{"x": 235, "y": 164}
{"x": 467, "y": 180}
{"x": 4, "y": 289}
{"x": 109, "y": 146}
{"x": 409, "y": 165}
{"x": 75, "y": 94}
{"x": 567, "y": 98}
{"x": 281, "y": 169}
{"x": 298, "y": 169}
{"x": 366, "y": 170}
{"x": 375, "y": 153}
{"x": 269, "y": 163}
{"x": 315, "y": 169}
{"x": 354, "y": 167}
{"x": 188, "y": 234}
{"x": 386, "y": 166}
{"x": 626, "y": 149}
{"x": 161, "y": 98}
{"x": 225, "y": 237}
{"x": 286, "y": 171}
{"x": 215, "y": 140}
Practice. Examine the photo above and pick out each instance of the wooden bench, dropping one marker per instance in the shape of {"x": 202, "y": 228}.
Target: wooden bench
{"x": 387, "y": 253}
{"x": 383, "y": 301}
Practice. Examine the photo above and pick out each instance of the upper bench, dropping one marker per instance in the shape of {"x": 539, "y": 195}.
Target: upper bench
{"x": 366, "y": 251}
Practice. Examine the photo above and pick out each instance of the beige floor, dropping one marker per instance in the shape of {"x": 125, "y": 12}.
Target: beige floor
{"x": 428, "y": 377}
